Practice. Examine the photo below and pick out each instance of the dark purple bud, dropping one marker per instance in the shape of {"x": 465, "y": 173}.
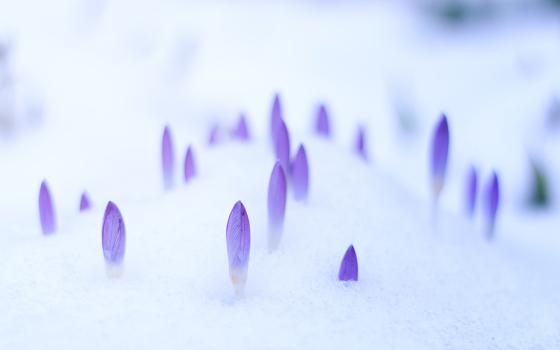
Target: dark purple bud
{"x": 440, "y": 149}
{"x": 472, "y": 185}
{"x": 361, "y": 147}
{"x": 492, "y": 204}
{"x": 190, "y": 165}
{"x": 322, "y": 125}
{"x": 238, "y": 241}
{"x": 282, "y": 146}
{"x": 85, "y": 203}
{"x": 167, "y": 158}
{"x": 214, "y": 136}
{"x": 241, "y": 131}
{"x": 275, "y": 116}
{"x": 349, "y": 266}
{"x": 113, "y": 236}
{"x": 300, "y": 174}
{"x": 46, "y": 210}
{"x": 276, "y": 205}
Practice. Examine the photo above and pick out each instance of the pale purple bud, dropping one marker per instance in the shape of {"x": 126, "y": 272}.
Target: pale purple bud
{"x": 275, "y": 116}
{"x": 241, "y": 131}
{"x": 361, "y": 147}
{"x": 440, "y": 149}
{"x": 167, "y": 158}
{"x": 276, "y": 205}
{"x": 214, "y": 136}
{"x": 113, "y": 235}
{"x": 492, "y": 204}
{"x": 472, "y": 186}
{"x": 349, "y": 266}
{"x": 300, "y": 174}
{"x": 282, "y": 146}
{"x": 238, "y": 241}
{"x": 190, "y": 164}
{"x": 46, "y": 210}
{"x": 85, "y": 203}
{"x": 322, "y": 124}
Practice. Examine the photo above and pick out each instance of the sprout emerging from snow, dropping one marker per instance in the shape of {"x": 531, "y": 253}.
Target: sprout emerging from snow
{"x": 492, "y": 204}
{"x": 241, "y": 131}
{"x": 540, "y": 194}
{"x": 276, "y": 206}
{"x": 113, "y": 239}
{"x": 360, "y": 146}
{"x": 282, "y": 146}
{"x": 275, "y": 117}
{"x": 238, "y": 241}
{"x": 167, "y": 158}
{"x": 440, "y": 149}
{"x": 349, "y": 266}
{"x": 300, "y": 174}
{"x": 46, "y": 210}
{"x": 85, "y": 203}
{"x": 472, "y": 185}
{"x": 322, "y": 124}
{"x": 190, "y": 165}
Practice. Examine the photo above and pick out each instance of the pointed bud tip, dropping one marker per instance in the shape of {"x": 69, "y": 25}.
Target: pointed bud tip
{"x": 238, "y": 241}
{"x": 277, "y": 188}
{"x": 46, "y": 210}
{"x": 85, "y": 203}
{"x": 300, "y": 174}
{"x": 349, "y": 266}
{"x": 113, "y": 235}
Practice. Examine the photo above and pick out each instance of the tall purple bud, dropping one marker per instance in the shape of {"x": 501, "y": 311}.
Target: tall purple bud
{"x": 214, "y": 136}
{"x": 190, "y": 165}
{"x": 276, "y": 206}
{"x": 440, "y": 149}
{"x": 349, "y": 266}
{"x": 113, "y": 239}
{"x": 361, "y": 146}
{"x": 282, "y": 146}
{"x": 275, "y": 116}
{"x": 300, "y": 174}
{"x": 46, "y": 210}
{"x": 492, "y": 203}
{"x": 238, "y": 241}
{"x": 167, "y": 158}
{"x": 241, "y": 131}
{"x": 85, "y": 203}
{"x": 471, "y": 191}
{"x": 322, "y": 124}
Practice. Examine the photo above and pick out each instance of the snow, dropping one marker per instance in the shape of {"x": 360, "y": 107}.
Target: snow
{"x": 111, "y": 75}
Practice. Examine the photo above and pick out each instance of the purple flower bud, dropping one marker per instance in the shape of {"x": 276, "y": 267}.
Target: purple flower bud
{"x": 300, "y": 174}
{"x": 214, "y": 136}
{"x": 361, "y": 147}
{"x": 275, "y": 116}
{"x": 46, "y": 210}
{"x": 241, "y": 131}
{"x": 85, "y": 203}
{"x": 322, "y": 125}
{"x": 276, "y": 205}
{"x": 167, "y": 159}
{"x": 472, "y": 184}
{"x": 282, "y": 146}
{"x": 349, "y": 266}
{"x": 492, "y": 204}
{"x": 440, "y": 149}
{"x": 238, "y": 241}
{"x": 113, "y": 236}
{"x": 190, "y": 165}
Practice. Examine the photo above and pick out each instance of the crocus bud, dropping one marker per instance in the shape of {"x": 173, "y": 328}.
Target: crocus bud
{"x": 276, "y": 206}
{"x": 275, "y": 116}
{"x": 349, "y": 266}
{"x": 214, "y": 136}
{"x": 46, "y": 210}
{"x": 300, "y": 174}
{"x": 113, "y": 239}
{"x": 472, "y": 185}
{"x": 282, "y": 146}
{"x": 167, "y": 158}
{"x": 190, "y": 165}
{"x": 85, "y": 203}
{"x": 322, "y": 124}
{"x": 238, "y": 241}
{"x": 539, "y": 195}
{"x": 440, "y": 149}
{"x": 360, "y": 146}
{"x": 241, "y": 131}
{"x": 492, "y": 204}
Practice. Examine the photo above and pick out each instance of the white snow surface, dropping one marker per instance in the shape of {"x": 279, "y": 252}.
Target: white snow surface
{"x": 112, "y": 74}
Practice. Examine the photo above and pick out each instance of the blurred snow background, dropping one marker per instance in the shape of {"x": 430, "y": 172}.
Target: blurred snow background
{"x": 87, "y": 86}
